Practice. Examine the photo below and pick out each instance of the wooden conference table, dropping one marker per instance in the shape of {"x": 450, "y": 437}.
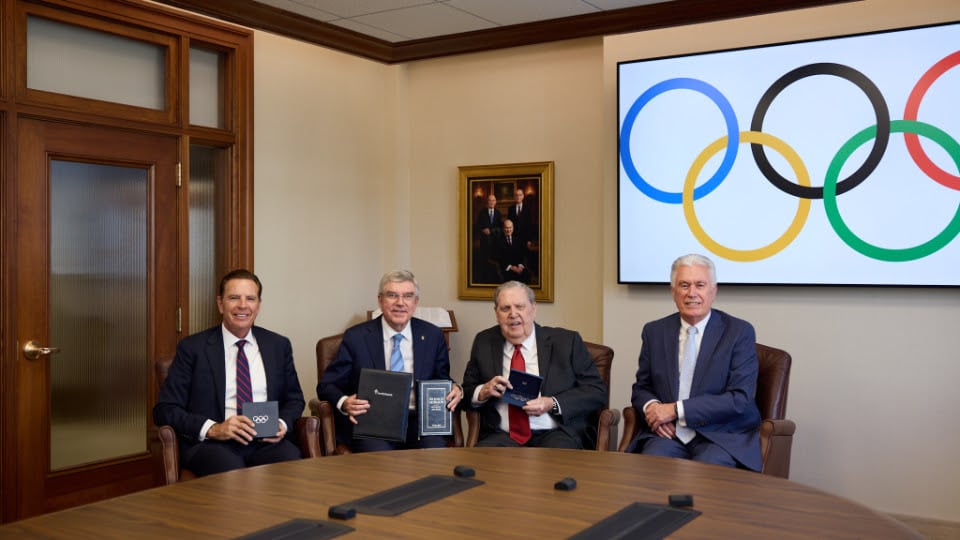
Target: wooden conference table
{"x": 517, "y": 499}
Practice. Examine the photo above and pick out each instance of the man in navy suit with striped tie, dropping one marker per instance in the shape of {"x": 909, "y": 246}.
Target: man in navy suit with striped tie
{"x": 215, "y": 371}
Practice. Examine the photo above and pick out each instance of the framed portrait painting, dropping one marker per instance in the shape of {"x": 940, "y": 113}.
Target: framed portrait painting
{"x": 506, "y": 229}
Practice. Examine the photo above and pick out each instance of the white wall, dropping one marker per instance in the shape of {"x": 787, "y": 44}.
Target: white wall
{"x": 356, "y": 173}
{"x": 325, "y": 201}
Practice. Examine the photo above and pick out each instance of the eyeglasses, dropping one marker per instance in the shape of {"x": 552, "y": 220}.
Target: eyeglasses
{"x": 393, "y": 297}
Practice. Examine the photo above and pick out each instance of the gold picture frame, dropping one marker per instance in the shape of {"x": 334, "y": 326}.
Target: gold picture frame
{"x": 488, "y": 255}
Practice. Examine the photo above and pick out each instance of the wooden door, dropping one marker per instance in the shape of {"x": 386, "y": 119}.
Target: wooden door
{"x": 96, "y": 299}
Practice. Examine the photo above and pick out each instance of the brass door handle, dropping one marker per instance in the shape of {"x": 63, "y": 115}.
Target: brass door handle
{"x": 32, "y": 350}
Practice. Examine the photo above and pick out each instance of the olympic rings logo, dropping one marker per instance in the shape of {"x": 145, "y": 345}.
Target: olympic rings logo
{"x": 833, "y": 186}
{"x": 260, "y": 419}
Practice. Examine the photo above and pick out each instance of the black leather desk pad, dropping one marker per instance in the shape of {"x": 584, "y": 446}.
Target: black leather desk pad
{"x": 394, "y": 501}
{"x": 300, "y": 529}
{"x": 638, "y": 521}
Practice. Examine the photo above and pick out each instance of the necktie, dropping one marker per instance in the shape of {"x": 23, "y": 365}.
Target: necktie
{"x": 396, "y": 358}
{"x": 509, "y": 240}
{"x": 687, "y": 367}
{"x": 490, "y": 213}
{"x": 244, "y": 389}
{"x": 519, "y": 421}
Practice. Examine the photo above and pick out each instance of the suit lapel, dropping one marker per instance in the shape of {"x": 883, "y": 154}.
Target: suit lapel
{"x": 496, "y": 353}
{"x": 374, "y": 343}
{"x": 708, "y": 345}
{"x": 217, "y": 365}
{"x": 419, "y": 351}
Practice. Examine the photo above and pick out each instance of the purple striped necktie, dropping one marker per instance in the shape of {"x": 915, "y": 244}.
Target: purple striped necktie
{"x": 244, "y": 388}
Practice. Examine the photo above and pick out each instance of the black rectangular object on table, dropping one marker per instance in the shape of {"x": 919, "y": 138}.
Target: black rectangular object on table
{"x": 265, "y": 416}
{"x": 435, "y": 417}
{"x": 639, "y": 521}
{"x": 300, "y": 529}
{"x": 394, "y": 501}
{"x": 526, "y": 386}
{"x": 389, "y": 395}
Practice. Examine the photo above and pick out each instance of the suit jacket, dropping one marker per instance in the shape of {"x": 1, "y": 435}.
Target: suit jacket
{"x": 722, "y": 405}
{"x": 195, "y": 388}
{"x": 514, "y": 253}
{"x": 484, "y": 222}
{"x": 523, "y": 221}
{"x": 362, "y": 347}
{"x": 568, "y": 371}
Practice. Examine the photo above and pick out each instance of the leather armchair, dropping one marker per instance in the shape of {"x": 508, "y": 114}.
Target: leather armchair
{"x": 776, "y": 432}
{"x": 327, "y": 348}
{"x": 607, "y": 419}
{"x": 307, "y": 431}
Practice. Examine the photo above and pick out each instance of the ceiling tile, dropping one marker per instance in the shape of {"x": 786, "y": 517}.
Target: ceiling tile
{"x": 504, "y": 12}
{"x": 425, "y": 21}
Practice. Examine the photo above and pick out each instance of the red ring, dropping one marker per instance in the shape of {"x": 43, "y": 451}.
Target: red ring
{"x": 910, "y": 113}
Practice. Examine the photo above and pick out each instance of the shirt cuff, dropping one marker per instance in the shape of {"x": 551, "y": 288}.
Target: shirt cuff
{"x": 474, "y": 399}
{"x": 681, "y": 417}
{"x": 340, "y": 404}
{"x": 206, "y": 427}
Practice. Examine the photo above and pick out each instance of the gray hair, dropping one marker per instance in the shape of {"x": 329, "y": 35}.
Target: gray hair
{"x": 398, "y": 276}
{"x": 693, "y": 259}
{"x": 513, "y": 285}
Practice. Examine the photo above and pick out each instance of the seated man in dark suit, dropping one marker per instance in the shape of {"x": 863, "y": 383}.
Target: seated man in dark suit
{"x": 219, "y": 369}
{"x": 422, "y": 351}
{"x": 697, "y": 377}
{"x": 512, "y": 255}
{"x": 571, "y": 390}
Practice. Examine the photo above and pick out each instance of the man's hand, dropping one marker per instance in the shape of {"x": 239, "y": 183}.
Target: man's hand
{"x": 538, "y": 406}
{"x": 494, "y": 388}
{"x": 355, "y": 407}
{"x": 282, "y": 431}
{"x": 236, "y": 428}
{"x": 662, "y": 415}
{"x": 454, "y": 397}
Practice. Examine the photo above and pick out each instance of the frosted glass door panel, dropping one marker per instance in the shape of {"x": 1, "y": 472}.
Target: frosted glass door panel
{"x": 98, "y": 312}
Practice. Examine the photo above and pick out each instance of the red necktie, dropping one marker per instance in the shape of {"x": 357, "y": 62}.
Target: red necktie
{"x": 519, "y": 421}
{"x": 244, "y": 389}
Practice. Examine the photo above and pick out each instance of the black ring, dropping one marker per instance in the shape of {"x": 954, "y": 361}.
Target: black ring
{"x": 879, "y": 143}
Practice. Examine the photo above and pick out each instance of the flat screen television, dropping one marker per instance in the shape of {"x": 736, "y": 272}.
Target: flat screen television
{"x": 832, "y": 161}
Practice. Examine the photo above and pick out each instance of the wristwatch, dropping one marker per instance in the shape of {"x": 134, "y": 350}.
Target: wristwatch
{"x": 556, "y": 407}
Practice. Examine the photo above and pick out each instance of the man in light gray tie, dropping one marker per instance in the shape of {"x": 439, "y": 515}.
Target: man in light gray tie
{"x": 697, "y": 377}
{"x": 395, "y": 341}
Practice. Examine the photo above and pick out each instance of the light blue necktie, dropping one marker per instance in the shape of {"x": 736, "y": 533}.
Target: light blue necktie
{"x": 396, "y": 358}
{"x": 687, "y": 367}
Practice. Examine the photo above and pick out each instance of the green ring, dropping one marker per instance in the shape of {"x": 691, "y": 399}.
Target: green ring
{"x": 830, "y": 193}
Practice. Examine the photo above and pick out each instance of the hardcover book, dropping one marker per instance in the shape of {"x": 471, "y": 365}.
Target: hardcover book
{"x": 389, "y": 395}
{"x": 435, "y": 417}
{"x": 526, "y": 386}
{"x": 265, "y": 416}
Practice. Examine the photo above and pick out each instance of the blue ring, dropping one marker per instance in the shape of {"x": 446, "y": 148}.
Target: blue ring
{"x": 733, "y": 139}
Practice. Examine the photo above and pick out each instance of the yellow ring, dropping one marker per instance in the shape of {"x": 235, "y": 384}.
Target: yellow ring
{"x": 746, "y": 255}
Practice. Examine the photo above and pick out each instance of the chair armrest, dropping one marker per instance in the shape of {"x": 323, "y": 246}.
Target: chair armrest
{"x": 607, "y": 423}
{"x": 777, "y": 428}
{"x": 473, "y": 429}
{"x": 171, "y": 454}
{"x": 308, "y": 434}
{"x": 776, "y": 441}
{"x": 456, "y": 441}
{"x": 631, "y": 427}
{"x": 328, "y": 434}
